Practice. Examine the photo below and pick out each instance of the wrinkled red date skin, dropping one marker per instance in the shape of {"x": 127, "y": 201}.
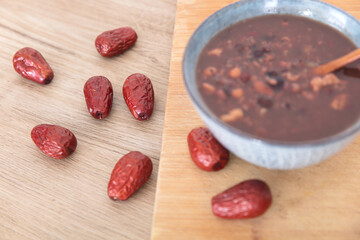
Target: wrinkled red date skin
{"x": 205, "y": 150}
{"x": 138, "y": 94}
{"x": 114, "y": 42}
{"x": 247, "y": 199}
{"x": 129, "y": 174}
{"x": 55, "y": 141}
{"x": 30, "y": 64}
{"x": 98, "y": 94}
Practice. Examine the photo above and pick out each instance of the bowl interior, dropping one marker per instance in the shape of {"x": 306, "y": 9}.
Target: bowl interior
{"x": 238, "y": 11}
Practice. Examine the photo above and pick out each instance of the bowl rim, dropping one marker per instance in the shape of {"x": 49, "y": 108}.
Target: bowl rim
{"x": 349, "y": 131}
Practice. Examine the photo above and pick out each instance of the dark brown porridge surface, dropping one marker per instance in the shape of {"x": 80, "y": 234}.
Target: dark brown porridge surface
{"x": 256, "y": 76}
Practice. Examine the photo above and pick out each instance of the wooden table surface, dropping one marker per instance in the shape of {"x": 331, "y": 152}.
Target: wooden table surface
{"x": 313, "y": 203}
{"x": 43, "y": 198}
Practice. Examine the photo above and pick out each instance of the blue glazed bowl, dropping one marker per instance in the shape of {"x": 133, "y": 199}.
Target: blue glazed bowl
{"x": 268, "y": 153}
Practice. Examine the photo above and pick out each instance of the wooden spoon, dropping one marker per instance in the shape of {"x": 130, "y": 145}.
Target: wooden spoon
{"x": 337, "y": 63}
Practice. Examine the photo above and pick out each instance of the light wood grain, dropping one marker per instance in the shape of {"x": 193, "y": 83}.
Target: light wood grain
{"x": 318, "y": 202}
{"x": 43, "y": 198}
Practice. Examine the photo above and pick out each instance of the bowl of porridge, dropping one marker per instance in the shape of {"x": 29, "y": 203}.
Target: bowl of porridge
{"x": 248, "y": 71}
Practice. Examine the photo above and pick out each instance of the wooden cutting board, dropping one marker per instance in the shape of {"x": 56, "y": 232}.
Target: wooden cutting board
{"x": 44, "y": 198}
{"x": 318, "y": 202}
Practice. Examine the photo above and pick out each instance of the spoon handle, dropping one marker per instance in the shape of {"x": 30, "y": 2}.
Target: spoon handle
{"x": 337, "y": 63}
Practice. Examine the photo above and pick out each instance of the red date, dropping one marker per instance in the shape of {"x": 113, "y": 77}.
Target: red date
{"x": 139, "y": 96}
{"x": 130, "y": 173}
{"x": 30, "y": 64}
{"x": 247, "y": 199}
{"x": 115, "y": 42}
{"x": 55, "y": 141}
{"x": 98, "y": 93}
{"x": 206, "y": 152}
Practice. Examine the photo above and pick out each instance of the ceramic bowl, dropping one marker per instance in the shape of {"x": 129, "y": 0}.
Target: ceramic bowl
{"x": 268, "y": 153}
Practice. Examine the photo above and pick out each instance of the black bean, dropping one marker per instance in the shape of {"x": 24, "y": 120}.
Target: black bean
{"x": 280, "y": 82}
{"x": 269, "y": 37}
{"x": 276, "y": 82}
{"x": 266, "y": 50}
{"x": 287, "y": 106}
{"x": 272, "y": 74}
{"x": 258, "y": 53}
{"x": 265, "y": 102}
{"x": 227, "y": 88}
{"x": 245, "y": 77}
